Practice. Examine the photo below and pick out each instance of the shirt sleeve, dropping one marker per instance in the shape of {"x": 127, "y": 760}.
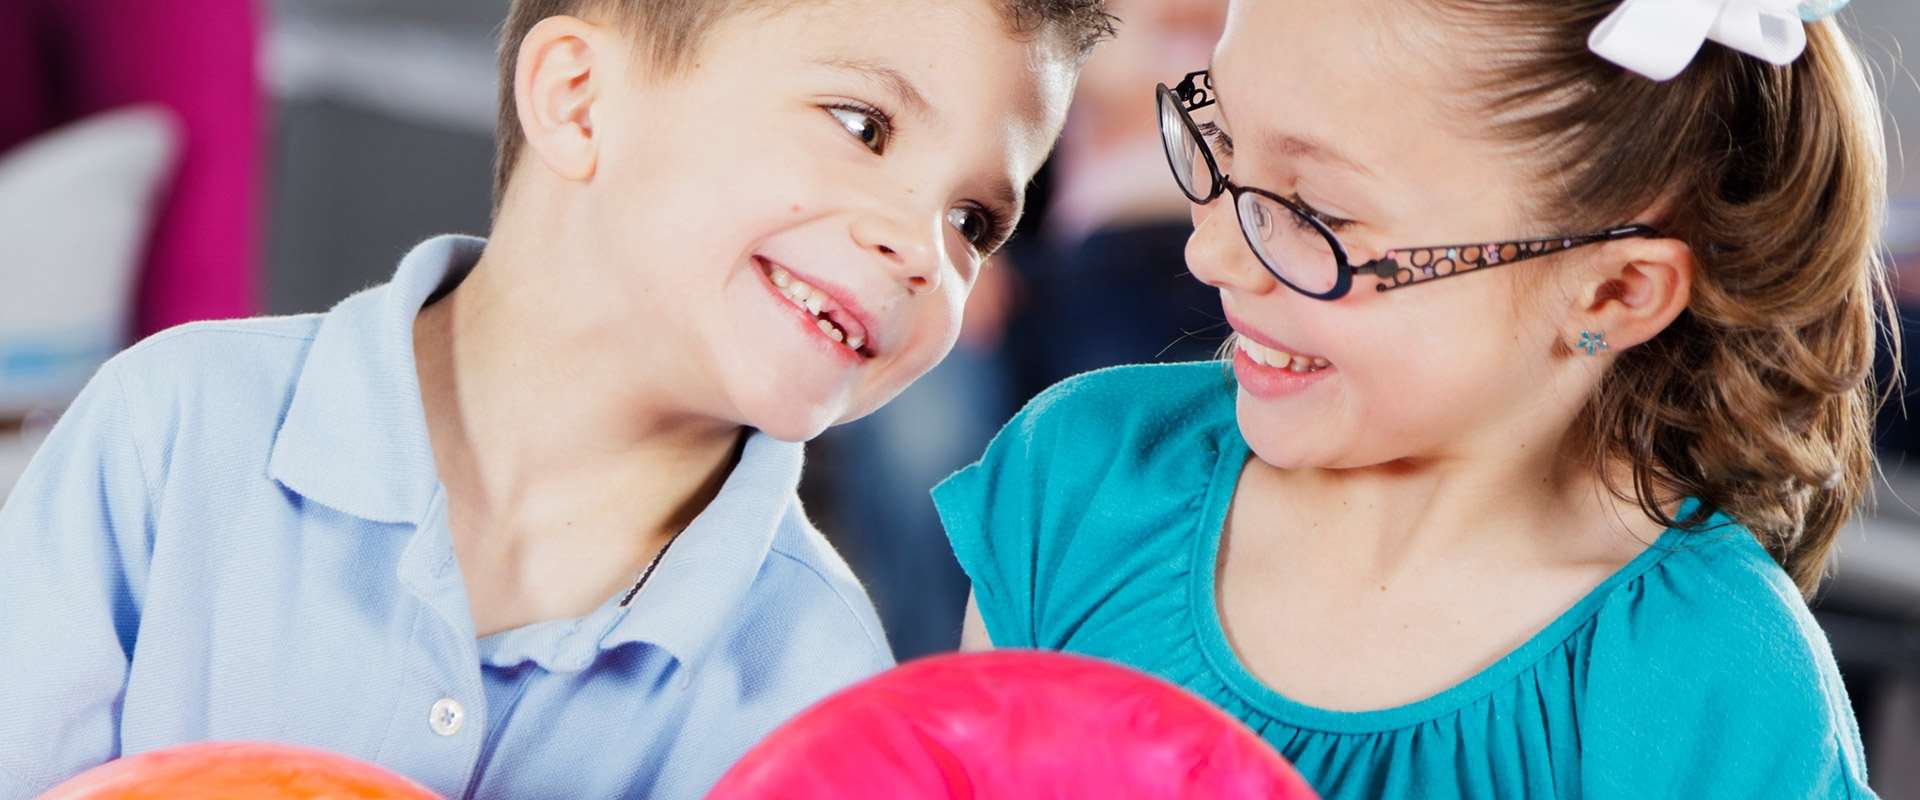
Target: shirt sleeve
{"x": 74, "y": 546}
{"x": 989, "y": 512}
{"x": 1720, "y": 685}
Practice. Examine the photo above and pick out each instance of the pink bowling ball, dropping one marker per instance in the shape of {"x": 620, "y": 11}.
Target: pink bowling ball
{"x": 1013, "y": 724}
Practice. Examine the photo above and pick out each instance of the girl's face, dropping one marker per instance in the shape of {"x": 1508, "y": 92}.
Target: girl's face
{"x": 1357, "y": 110}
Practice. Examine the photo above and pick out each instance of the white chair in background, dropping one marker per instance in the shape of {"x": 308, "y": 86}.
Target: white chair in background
{"x": 76, "y": 205}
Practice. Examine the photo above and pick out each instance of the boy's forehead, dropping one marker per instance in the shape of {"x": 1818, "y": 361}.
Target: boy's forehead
{"x": 930, "y": 54}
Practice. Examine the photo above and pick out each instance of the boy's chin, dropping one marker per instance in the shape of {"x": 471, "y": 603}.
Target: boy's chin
{"x": 795, "y": 422}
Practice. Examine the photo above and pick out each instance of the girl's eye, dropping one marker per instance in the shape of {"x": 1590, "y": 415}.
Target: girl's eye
{"x": 1333, "y": 223}
{"x": 978, "y": 226}
{"x": 1221, "y": 143}
{"x": 870, "y": 125}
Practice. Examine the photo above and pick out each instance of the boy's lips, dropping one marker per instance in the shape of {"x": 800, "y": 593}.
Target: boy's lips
{"x": 838, "y": 314}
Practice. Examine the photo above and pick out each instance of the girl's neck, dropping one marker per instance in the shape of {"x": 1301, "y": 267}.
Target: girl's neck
{"x": 1513, "y": 500}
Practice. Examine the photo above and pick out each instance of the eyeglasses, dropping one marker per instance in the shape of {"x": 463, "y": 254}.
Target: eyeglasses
{"x": 1297, "y": 246}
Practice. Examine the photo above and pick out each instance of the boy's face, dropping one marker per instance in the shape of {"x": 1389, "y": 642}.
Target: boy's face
{"x": 804, "y": 209}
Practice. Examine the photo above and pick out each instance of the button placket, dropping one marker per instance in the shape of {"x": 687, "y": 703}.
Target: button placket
{"x": 447, "y": 716}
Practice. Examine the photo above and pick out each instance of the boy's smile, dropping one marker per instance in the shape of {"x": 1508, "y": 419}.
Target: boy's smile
{"x": 783, "y": 235}
{"x": 823, "y": 312}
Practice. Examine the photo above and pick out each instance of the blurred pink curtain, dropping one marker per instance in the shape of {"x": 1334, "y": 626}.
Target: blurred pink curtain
{"x": 61, "y": 60}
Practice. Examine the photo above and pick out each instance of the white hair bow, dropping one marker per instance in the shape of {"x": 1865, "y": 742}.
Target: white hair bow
{"x": 1658, "y": 38}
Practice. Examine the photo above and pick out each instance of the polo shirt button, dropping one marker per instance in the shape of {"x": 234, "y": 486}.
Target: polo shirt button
{"x": 446, "y": 716}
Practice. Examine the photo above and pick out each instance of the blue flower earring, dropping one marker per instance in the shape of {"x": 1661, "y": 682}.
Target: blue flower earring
{"x": 1593, "y": 342}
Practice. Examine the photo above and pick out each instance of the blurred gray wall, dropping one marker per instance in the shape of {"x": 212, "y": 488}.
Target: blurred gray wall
{"x": 383, "y": 136}
{"x": 384, "y": 123}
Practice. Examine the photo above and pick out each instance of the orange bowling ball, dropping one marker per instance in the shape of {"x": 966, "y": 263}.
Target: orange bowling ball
{"x": 234, "y": 770}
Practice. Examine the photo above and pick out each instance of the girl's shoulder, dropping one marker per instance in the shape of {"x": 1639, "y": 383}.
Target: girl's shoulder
{"x": 1716, "y": 601}
{"x": 1183, "y": 405}
{"x": 1715, "y": 646}
{"x": 1102, "y": 473}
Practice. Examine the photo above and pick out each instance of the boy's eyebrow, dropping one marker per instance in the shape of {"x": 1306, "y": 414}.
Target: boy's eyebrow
{"x": 893, "y": 79}
{"x": 1002, "y": 191}
{"x": 1296, "y": 146}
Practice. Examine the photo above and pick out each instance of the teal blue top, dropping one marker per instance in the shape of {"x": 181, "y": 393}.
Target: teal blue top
{"x": 1092, "y": 525}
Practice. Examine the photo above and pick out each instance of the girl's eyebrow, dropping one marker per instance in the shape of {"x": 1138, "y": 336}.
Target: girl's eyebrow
{"x": 1293, "y": 145}
{"x": 1311, "y": 149}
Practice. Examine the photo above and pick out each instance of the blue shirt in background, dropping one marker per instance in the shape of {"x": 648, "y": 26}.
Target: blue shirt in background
{"x": 238, "y": 533}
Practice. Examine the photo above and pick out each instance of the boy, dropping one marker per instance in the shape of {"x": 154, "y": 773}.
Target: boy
{"x": 522, "y": 522}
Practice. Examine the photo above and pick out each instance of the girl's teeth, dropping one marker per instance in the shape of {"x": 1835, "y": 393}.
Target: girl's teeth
{"x": 1269, "y": 357}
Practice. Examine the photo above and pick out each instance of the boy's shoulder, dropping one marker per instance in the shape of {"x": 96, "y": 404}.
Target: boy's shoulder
{"x": 227, "y": 367}
{"x": 222, "y": 351}
{"x": 818, "y": 584}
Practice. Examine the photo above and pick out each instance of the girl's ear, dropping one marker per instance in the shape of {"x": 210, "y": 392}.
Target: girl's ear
{"x": 1634, "y": 290}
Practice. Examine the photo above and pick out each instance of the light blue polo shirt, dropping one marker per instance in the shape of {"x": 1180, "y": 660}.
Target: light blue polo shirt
{"x": 237, "y": 533}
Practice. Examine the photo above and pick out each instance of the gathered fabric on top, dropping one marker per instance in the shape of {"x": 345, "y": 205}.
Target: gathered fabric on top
{"x": 1092, "y": 525}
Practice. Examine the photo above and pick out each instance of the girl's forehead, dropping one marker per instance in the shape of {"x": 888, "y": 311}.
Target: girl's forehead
{"x": 1339, "y": 70}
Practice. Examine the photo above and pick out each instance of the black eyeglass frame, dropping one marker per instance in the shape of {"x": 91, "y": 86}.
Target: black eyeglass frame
{"x": 1420, "y": 264}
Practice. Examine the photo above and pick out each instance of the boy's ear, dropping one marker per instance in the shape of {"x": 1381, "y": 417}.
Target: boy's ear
{"x": 555, "y": 82}
{"x": 1635, "y": 290}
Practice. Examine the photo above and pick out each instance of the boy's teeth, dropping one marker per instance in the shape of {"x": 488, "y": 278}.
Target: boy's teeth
{"x": 815, "y": 302}
{"x": 832, "y": 332}
{"x": 856, "y": 343}
{"x": 781, "y": 278}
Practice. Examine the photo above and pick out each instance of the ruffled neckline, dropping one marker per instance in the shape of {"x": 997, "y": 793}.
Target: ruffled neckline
{"x": 1225, "y": 665}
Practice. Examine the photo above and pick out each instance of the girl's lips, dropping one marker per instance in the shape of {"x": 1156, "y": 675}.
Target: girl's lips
{"x": 1249, "y": 332}
{"x": 1273, "y": 383}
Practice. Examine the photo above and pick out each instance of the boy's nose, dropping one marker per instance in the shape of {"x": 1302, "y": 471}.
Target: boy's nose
{"x": 1218, "y": 254}
{"x": 913, "y": 256}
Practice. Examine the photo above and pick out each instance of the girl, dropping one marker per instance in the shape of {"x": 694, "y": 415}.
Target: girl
{"x": 1542, "y": 530}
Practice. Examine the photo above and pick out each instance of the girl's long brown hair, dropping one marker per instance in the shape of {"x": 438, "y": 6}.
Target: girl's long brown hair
{"x": 1760, "y": 398}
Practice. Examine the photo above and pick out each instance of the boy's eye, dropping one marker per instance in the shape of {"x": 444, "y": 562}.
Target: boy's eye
{"x": 870, "y": 125}
{"x": 977, "y": 226}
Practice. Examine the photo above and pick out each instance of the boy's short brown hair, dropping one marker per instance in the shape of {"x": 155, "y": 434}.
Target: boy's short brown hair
{"x": 670, "y": 31}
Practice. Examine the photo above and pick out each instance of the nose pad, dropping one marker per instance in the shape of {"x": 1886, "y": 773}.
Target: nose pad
{"x": 914, "y": 261}
{"x": 1218, "y": 254}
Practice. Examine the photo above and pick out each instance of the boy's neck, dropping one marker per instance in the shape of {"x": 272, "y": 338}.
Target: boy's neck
{"x": 546, "y": 447}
